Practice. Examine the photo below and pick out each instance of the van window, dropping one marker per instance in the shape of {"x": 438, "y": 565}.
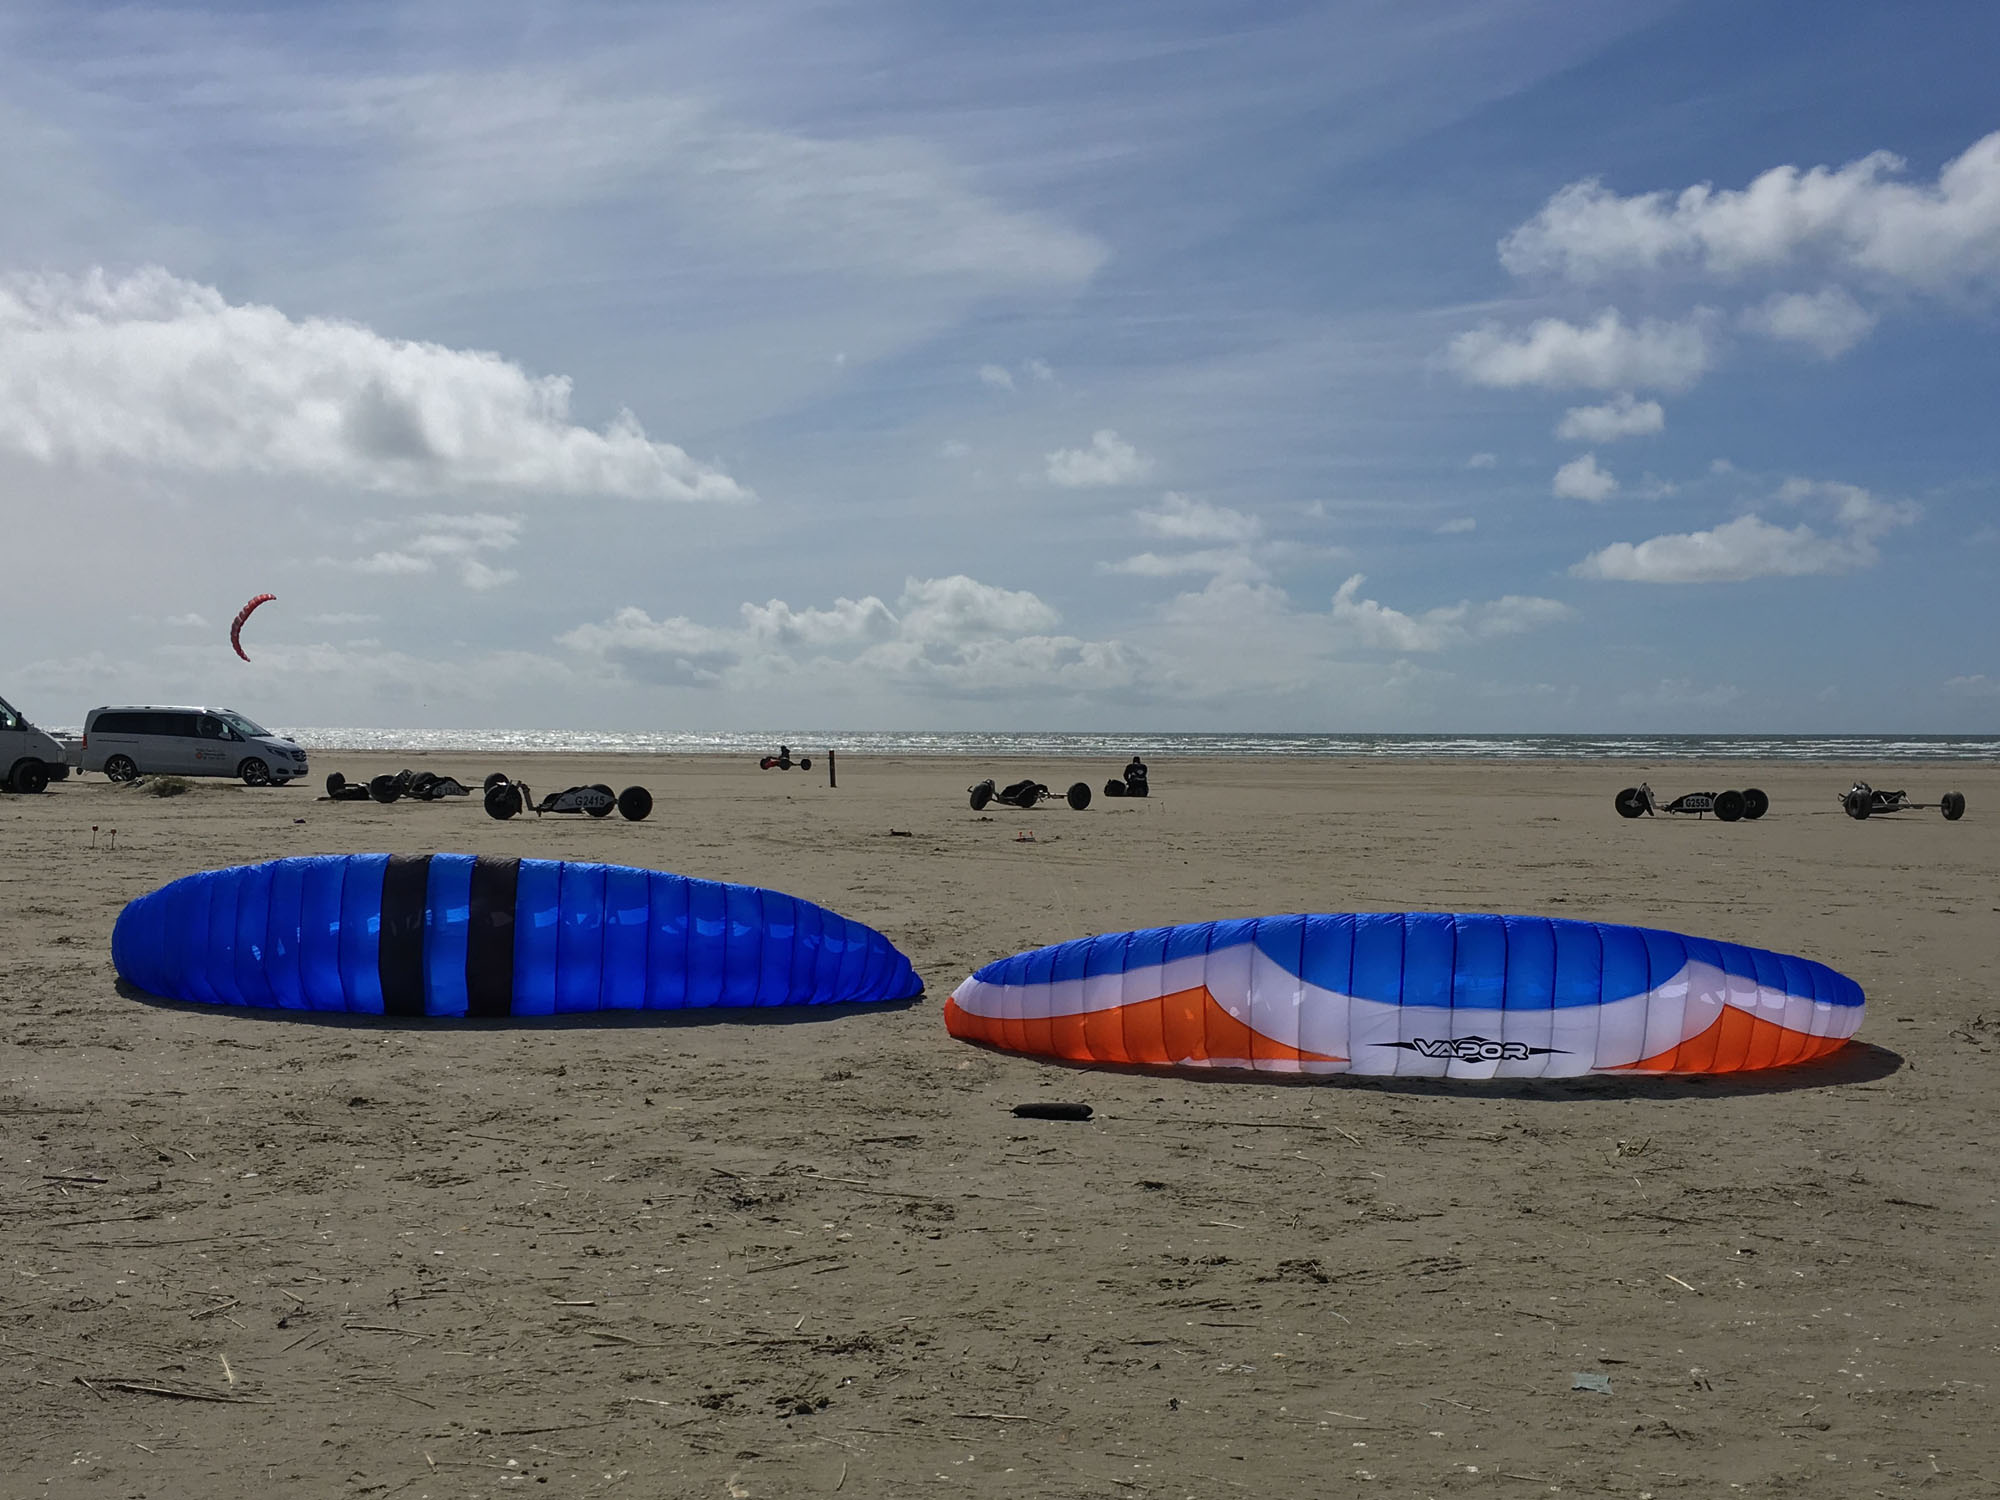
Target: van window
{"x": 113, "y": 723}
{"x": 210, "y": 728}
{"x": 9, "y": 719}
{"x": 249, "y": 729}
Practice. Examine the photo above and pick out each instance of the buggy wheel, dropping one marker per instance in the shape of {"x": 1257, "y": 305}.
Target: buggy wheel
{"x": 1114, "y": 788}
{"x": 610, "y": 801}
{"x": 1856, "y": 803}
{"x": 1729, "y": 806}
{"x": 805, "y": 762}
{"x": 385, "y": 789}
{"x": 1755, "y": 803}
{"x": 1079, "y": 795}
{"x": 1630, "y": 803}
{"x": 1953, "y": 806}
{"x": 981, "y": 795}
{"x": 495, "y": 779}
{"x": 335, "y": 784}
{"x": 635, "y": 803}
{"x": 503, "y": 799}
{"x": 121, "y": 768}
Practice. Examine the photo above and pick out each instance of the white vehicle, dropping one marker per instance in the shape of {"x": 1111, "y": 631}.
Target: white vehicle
{"x": 30, "y": 758}
{"x": 144, "y": 741}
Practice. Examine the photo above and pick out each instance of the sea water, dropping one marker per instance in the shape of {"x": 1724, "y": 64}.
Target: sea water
{"x": 1169, "y": 746}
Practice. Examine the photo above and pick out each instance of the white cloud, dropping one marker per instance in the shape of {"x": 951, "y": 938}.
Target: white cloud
{"x": 489, "y": 147}
{"x": 1751, "y": 547}
{"x": 1216, "y": 560}
{"x": 1181, "y": 519}
{"x": 1381, "y": 628}
{"x": 997, "y": 377}
{"x": 1581, "y": 479}
{"x": 1830, "y": 321}
{"x": 1607, "y": 355}
{"x": 1040, "y": 369}
{"x": 1108, "y": 460}
{"x": 1458, "y": 526}
{"x": 953, "y": 636}
{"x": 187, "y": 622}
{"x": 155, "y": 370}
{"x": 1482, "y": 461}
{"x": 1937, "y": 237}
{"x": 424, "y": 543}
{"x": 1620, "y": 417}
{"x": 1978, "y": 685}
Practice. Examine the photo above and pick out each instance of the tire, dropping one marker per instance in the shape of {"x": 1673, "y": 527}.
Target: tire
{"x": 1953, "y": 806}
{"x": 497, "y": 778}
{"x": 1755, "y": 803}
{"x": 1079, "y": 795}
{"x": 30, "y": 777}
{"x": 503, "y": 799}
{"x": 121, "y": 768}
{"x": 610, "y": 805}
{"x": 635, "y": 803}
{"x": 1629, "y": 803}
{"x": 767, "y": 762}
{"x": 384, "y": 789}
{"x": 1114, "y": 788}
{"x": 981, "y": 795}
{"x": 805, "y": 762}
{"x": 1729, "y": 806}
{"x": 335, "y": 784}
{"x": 1856, "y": 804}
{"x": 254, "y": 772}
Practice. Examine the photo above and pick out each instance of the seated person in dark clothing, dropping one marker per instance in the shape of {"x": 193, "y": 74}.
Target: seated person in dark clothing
{"x": 1135, "y": 778}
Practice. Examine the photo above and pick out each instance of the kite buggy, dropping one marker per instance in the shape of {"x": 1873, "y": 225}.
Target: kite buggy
{"x": 1862, "y": 801}
{"x": 1637, "y": 801}
{"x": 421, "y": 786}
{"x": 1026, "y": 794}
{"x": 505, "y": 798}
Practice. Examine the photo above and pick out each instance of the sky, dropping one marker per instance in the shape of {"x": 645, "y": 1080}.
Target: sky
{"x": 1480, "y": 365}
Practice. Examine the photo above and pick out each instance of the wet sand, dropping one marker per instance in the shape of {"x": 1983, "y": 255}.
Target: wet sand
{"x": 782, "y": 1256}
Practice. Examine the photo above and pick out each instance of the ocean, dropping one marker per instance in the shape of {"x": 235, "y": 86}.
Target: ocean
{"x": 1169, "y": 746}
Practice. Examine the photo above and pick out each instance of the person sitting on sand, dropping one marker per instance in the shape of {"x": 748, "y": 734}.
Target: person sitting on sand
{"x": 1135, "y": 778}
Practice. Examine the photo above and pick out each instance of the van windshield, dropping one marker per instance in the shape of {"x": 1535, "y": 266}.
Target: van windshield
{"x": 248, "y": 728}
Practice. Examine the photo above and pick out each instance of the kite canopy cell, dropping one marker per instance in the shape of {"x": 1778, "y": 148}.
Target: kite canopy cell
{"x": 448, "y": 935}
{"x": 1426, "y": 994}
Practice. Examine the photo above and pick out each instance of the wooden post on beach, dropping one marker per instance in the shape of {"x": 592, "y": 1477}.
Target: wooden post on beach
{"x": 829, "y": 770}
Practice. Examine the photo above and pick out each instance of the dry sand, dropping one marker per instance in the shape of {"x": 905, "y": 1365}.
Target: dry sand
{"x": 252, "y": 1256}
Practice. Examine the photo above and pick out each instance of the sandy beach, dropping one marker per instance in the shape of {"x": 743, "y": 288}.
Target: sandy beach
{"x": 248, "y": 1255}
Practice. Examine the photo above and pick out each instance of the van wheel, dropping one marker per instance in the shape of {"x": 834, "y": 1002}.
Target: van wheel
{"x": 30, "y": 776}
{"x": 121, "y": 768}
{"x": 254, "y": 772}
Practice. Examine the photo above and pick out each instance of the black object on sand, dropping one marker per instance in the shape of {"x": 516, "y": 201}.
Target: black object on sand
{"x": 1053, "y": 1111}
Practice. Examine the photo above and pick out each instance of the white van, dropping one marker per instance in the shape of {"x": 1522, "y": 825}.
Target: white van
{"x": 145, "y": 741}
{"x": 30, "y": 758}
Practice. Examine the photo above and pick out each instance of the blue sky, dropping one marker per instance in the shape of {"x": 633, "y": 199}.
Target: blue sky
{"x": 1366, "y": 366}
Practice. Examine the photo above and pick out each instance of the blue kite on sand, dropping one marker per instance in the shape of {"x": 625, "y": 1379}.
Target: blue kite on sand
{"x": 461, "y": 935}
